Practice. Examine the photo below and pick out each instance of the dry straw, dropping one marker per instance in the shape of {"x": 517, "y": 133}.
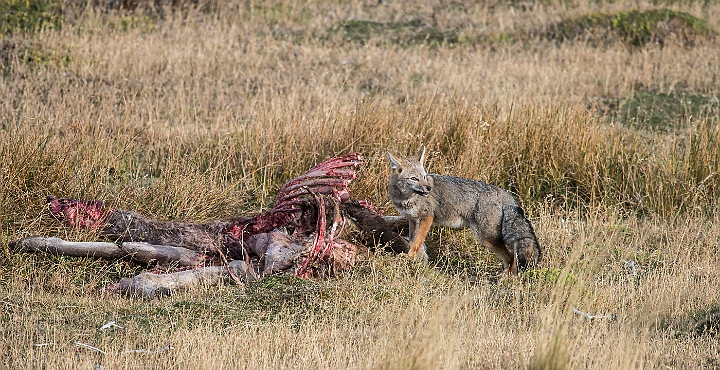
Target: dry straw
{"x": 200, "y": 114}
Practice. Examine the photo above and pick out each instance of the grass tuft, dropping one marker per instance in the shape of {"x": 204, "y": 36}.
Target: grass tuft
{"x": 635, "y": 27}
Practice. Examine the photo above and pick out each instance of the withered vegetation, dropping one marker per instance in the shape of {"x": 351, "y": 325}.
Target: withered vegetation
{"x": 201, "y": 111}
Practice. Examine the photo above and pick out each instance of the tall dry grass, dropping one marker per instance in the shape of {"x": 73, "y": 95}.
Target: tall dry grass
{"x": 197, "y": 115}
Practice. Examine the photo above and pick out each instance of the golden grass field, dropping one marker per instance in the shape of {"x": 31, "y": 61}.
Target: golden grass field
{"x": 198, "y": 113}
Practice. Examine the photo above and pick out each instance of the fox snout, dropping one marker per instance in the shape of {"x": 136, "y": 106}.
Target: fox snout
{"x": 423, "y": 189}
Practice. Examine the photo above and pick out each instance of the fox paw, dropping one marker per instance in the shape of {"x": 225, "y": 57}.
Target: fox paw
{"x": 421, "y": 257}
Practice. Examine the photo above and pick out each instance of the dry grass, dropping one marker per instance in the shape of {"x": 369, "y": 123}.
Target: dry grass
{"x": 197, "y": 115}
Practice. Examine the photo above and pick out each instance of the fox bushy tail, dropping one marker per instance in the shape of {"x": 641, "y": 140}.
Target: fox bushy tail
{"x": 519, "y": 237}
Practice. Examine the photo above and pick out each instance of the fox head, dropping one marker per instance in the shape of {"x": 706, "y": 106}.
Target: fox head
{"x": 409, "y": 175}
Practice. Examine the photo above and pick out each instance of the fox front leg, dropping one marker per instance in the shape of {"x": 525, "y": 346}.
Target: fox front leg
{"x": 411, "y": 230}
{"x": 418, "y": 232}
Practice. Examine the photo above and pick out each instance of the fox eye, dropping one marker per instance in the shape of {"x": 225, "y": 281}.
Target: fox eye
{"x": 414, "y": 178}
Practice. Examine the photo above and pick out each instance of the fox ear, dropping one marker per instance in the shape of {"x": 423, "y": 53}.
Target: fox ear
{"x": 420, "y": 155}
{"x": 394, "y": 162}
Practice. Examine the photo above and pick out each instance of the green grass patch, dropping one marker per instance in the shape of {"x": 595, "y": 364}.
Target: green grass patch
{"x": 34, "y": 55}
{"x": 634, "y": 27}
{"x": 143, "y": 23}
{"x": 279, "y": 291}
{"x": 29, "y": 16}
{"x": 704, "y": 3}
{"x": 279, "y": 14}
{"x": 410, "y": 32}
{"x": 661, "y": 111}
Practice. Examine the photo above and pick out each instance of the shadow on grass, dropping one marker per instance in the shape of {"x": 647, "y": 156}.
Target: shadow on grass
{"x": 699, "y": 323}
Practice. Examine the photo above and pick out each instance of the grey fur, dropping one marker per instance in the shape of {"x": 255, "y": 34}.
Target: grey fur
{"x": 128, "y": 226}
{"x": 496, "y": 218}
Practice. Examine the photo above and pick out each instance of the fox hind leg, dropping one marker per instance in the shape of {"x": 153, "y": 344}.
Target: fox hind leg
{"x": 519, "y": 237}
{"x": 496, "y": 247}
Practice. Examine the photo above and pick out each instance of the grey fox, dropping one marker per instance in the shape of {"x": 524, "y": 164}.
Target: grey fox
{"x": 496, "y": 218}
